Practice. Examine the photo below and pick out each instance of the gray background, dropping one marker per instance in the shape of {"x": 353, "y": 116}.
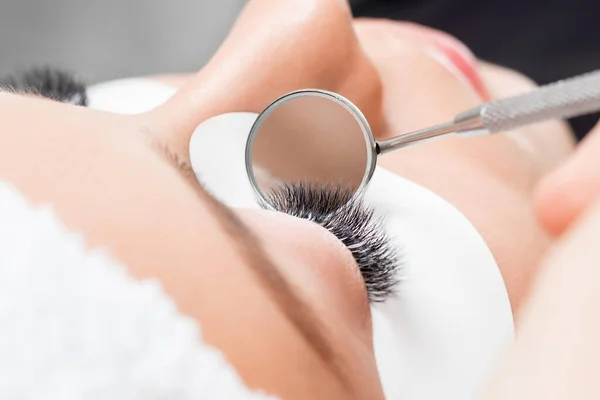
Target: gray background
{"x": 108, "y": 39}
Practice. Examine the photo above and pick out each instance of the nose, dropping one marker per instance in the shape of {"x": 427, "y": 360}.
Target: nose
{"x": 275, "y": 48}
{"x": 318, "y": 264}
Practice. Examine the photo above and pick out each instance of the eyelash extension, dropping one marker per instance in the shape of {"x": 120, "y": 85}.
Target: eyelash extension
{"x": 51, "y": 83}
{"x": 353, "y": 223}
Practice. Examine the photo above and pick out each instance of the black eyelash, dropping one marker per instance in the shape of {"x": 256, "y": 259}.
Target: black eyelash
{"x": 353, "y": 223}
{"x": 51, "y": 83}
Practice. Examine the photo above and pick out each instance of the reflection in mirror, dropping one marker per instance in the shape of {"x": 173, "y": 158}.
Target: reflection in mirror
{"x": 309, "y": 139}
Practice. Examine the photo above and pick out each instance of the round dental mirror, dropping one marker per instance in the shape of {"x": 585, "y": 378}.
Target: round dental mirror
{"x": 310, "y": 137}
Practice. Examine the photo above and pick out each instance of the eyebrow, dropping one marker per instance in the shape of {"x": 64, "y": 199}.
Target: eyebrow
{"x": 250, "y": 248}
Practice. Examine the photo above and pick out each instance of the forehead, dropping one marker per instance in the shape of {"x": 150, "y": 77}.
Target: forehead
{"x": 40, "y": 140}
{"x": 105, "y": 180}
{"x": 101, "y": 175}
{"x": 32, "y": 114}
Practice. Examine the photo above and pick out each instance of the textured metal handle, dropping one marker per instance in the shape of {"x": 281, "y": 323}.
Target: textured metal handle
{"x": 563, "y": 99}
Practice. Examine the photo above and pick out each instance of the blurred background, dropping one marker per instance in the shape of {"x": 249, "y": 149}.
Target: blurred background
{"x": 547, "y": 40}
{"x": 102, "y": 40}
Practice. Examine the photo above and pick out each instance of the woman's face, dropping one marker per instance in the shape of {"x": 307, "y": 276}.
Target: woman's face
{"x": 256, "y": 279}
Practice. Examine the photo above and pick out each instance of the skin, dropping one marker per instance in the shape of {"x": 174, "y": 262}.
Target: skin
{"x": 565, "y": 194}
{"x": 557, "y": 351}
{"x": 106, "y": 177}
{"x": 489, "y": 179}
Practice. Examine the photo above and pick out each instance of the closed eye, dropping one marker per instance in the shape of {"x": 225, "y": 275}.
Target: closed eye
{"x": 353, "y": 223}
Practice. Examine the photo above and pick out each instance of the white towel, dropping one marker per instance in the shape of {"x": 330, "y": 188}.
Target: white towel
{"x": 75, "y": 325}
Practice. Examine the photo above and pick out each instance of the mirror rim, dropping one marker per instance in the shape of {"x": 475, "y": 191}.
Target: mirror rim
{"x": 370, "y": 143}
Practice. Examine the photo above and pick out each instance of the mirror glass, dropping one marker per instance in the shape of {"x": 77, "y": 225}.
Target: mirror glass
{"x": 311, "y": 138}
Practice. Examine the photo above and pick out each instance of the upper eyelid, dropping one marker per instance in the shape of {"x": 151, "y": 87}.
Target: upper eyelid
{"x": 329, "y": 207}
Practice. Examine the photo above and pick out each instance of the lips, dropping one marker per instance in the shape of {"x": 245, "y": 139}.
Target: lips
{"x": 451, "y": 52}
